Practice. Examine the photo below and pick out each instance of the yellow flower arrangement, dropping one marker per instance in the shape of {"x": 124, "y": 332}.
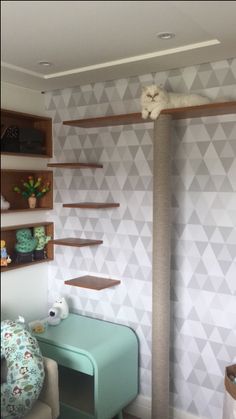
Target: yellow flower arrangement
{"x": 32, "y": 187}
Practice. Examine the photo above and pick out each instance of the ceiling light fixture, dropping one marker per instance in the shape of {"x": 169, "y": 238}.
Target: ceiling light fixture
{"x": 45, "y": 63}
{"x": 164, "y": 36}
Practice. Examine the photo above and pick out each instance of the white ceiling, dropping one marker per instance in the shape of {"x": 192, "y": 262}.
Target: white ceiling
{"x": 92, "y": 41}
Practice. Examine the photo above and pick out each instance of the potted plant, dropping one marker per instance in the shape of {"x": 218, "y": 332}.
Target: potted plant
{"x": 32, "y": 188}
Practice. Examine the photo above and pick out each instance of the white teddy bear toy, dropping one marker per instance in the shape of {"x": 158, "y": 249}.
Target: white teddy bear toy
{"x": 4, "y": 204}
{"x": 59, "y": 311}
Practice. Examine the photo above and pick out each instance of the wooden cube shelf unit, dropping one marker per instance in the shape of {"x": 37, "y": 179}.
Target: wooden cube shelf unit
{"x": 8, "y": 234}
{"x": 12, "y": 177}
{"x": 22, "y": 120}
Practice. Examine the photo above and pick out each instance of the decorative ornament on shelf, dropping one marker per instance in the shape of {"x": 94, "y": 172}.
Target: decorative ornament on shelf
{"x": 32, "y": 201}
{"x": 32, "y": 189}
{"x": 5, "y": 258}
{"x": 5, "y": 205}
{"x": 42, "y": 240}
{"x": 25, "y": 245}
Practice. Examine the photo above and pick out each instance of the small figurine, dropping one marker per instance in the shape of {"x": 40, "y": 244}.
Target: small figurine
{"x": 5, "y": 258}
{"x": 5, "y": 205}
{"x": 58, "y": 311}
{"x": 42, "y": 240}
{"x": 25, "y": 245}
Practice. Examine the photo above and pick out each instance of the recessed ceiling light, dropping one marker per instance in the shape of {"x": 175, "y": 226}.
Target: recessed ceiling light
{"x": 45, "y": 63}
{"x": 164, "y": 36}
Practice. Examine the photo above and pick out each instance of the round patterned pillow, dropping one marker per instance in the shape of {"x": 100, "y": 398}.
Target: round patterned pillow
{"x": 25, "y": 370}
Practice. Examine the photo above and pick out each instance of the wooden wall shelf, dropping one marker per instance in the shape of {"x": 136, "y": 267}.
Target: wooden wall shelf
{"x": 14, "y": 265}
{"x": 92, "y": 205}
{"x": 11, "y": 178}
{"x": 75, "y": 242}
{"x": 92, "y": 282}
{"x": 9, "y": 235}
{"x": 211, "y": 109}
{"x": 76, "y": 165}
{"x": 10, "y": 211}
{"x": 23, "y": 120}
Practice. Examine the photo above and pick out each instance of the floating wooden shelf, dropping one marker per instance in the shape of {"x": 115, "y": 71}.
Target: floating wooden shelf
{"x": 23, "y": 120}
{"x": 11, "y": 178}
{"x": 76, "y": 165}
{"x": 8, "y": 234}
{"x": 92, "y": 205}
{"x": 210, "y": 109}
{"x": 92, "y": 282}
{"x": 76, "y": 242}
{"x": 105, "y": 121}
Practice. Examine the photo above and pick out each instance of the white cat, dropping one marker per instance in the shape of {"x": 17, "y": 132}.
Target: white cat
{"x": 154, "y": 99}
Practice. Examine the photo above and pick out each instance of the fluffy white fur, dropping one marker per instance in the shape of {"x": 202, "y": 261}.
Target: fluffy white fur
{"x": 154, "y": 99}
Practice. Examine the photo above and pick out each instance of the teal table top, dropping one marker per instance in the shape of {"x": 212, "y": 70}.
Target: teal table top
{"x": 87, "y": 335}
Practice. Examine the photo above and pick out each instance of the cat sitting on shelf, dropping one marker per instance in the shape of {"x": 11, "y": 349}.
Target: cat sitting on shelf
{"x": 155, "y": 98}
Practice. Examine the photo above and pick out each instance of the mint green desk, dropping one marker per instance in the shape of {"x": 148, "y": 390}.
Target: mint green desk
{"x": 106, "y": 352}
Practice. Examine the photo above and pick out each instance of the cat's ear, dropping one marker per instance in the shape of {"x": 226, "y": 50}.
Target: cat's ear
{"x": 144, "y": 89}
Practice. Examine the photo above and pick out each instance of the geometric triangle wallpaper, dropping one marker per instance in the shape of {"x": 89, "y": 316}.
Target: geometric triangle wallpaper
{"x": 203, "y": 261}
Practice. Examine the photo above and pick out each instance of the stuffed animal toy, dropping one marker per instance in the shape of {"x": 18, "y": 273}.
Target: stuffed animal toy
{"x": 5, "y": 258}
{"x": 58, "y": 311}
{"x": 5, "y": 205}
{"x": 42, "y": 240}
{"x": 25, "y": 245}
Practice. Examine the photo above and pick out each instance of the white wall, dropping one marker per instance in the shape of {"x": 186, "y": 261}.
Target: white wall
{"x": 24, "y": 290}
{"x": 21, "y": 99}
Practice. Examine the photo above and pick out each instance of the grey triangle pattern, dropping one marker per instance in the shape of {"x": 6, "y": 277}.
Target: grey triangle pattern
{"x": 207, "y": 259}
{"x": 203, "y": 262}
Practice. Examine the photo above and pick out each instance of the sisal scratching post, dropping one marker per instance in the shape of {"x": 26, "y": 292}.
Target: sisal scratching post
{"x": 161, "y": 267}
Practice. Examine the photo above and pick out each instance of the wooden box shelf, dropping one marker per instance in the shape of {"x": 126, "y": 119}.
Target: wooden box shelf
{"x": 211, "y": 109}
{"x": 75, "y": 242}
{"x": 76, "y": 165}
{"x": 8, "y": 234}
{"x": 22, "y": 120}
{"x": 11, "y": 178}
{"x": 92, "y": 205}
{"x": 92, "y": 282}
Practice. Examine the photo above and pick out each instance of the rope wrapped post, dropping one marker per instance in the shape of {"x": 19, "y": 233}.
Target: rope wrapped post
{"x": 161, "y": 267}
